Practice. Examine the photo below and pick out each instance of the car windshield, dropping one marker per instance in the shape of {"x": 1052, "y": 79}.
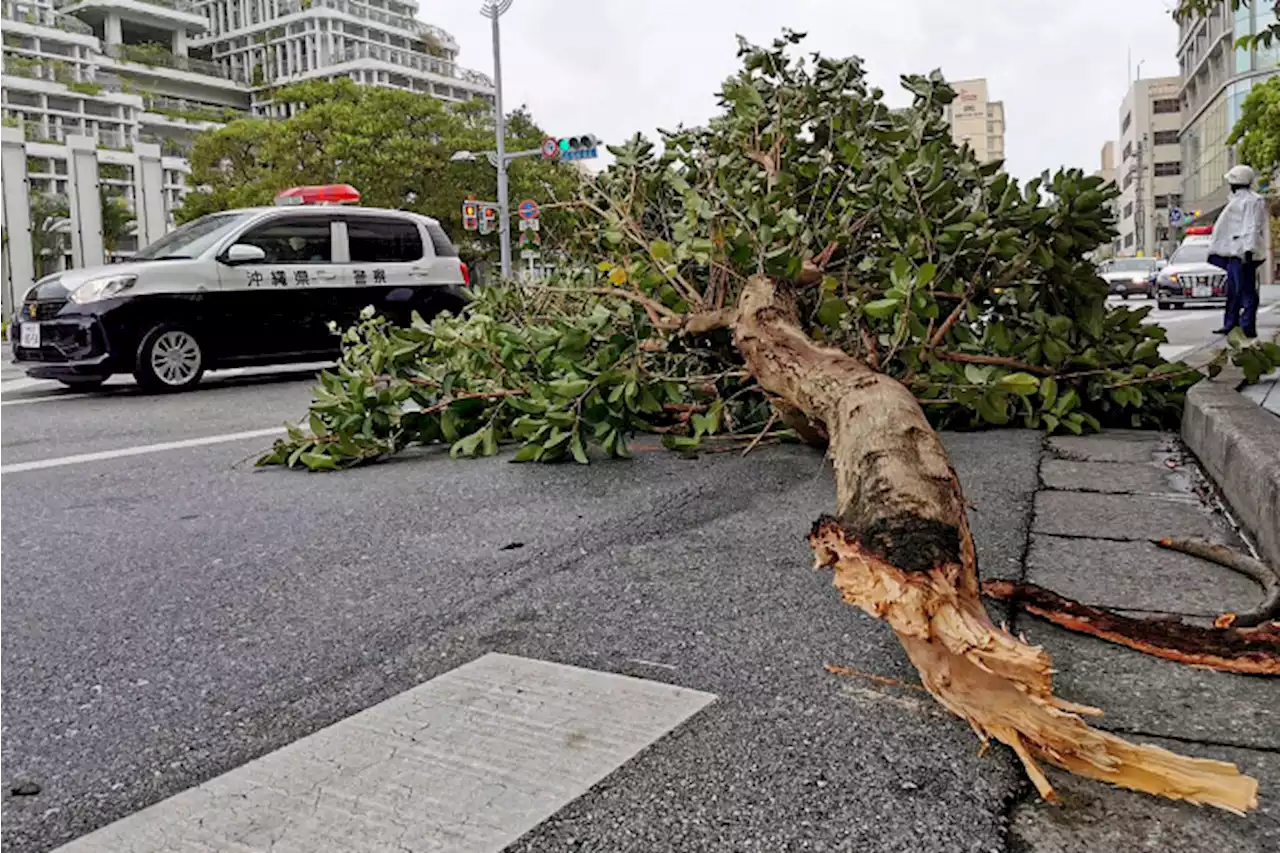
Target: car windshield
{"x": 1194, "y": 253}
{"x": 1132, "y": 265}
{"x": 192, "y": 239}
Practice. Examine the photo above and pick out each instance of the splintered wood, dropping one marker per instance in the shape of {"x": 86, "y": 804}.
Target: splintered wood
{"x": 901, "y": 550}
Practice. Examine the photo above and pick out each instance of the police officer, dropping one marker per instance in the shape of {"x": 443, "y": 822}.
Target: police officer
{"x": 1239, "y": 246}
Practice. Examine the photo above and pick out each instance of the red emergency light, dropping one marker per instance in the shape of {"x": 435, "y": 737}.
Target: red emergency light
{"x": 323, "y": 194}
{"x": 1199, "y": 229}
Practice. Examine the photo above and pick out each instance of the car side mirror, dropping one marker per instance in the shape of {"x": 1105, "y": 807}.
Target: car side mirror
{"x": 244, "y": 253}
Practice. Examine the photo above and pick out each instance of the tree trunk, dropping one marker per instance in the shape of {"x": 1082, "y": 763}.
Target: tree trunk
{"x": 901, "y": 550}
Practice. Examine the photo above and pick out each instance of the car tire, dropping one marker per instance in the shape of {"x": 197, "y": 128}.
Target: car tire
{"x": 84, "y": 383}
{"x": 169, "y": 358}
{"x": 1178, "y": 305}
{"x": 1125, "y": 297}
{"x": 1162, "y": 305}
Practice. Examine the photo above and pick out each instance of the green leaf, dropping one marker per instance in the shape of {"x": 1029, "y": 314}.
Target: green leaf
{"x": 831, "y": 311}
{"x": 926, "y": 274}
{"x": 661, "y": 250}
{"x": 1048, "y": 392}
{"x": 318, "y": 462}
{"x": 881, "y": 307}
{"x": 1022, "y": 384}
{"x": 993, "y": 408}
{"x": 528, "y": 453}
{"x": 977, "y": 374}
{"x": 1236, "y": 338}
{"x": 579, "y": 451}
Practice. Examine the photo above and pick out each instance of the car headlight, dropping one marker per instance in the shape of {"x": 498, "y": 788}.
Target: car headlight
{"x": 102, "y": 288}
{"x": 1137, "y": 279}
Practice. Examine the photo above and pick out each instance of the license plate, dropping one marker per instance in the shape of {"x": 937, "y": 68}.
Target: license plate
{"x": 1201, "y": 290}
{"x": 30, "y": 336}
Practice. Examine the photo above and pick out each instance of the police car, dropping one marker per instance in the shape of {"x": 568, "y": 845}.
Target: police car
{"x": 1190, "y": 279}
{"x": 242, "y": 287}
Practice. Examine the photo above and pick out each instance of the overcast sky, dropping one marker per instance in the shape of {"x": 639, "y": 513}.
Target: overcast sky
{"x": 614, "y": 67}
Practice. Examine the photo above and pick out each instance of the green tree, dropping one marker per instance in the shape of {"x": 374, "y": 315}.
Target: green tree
{"x": 1258, "y": 130}
{"x": 49, "y": 212}
{"x": 1187, "y": 10}
{"x": 393, "y": 146}
{"x": 117, "y": 220}
{"x": 813, "y": 258}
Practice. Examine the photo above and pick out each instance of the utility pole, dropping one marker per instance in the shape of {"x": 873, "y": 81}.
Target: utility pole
{"x": 493, "y": 9}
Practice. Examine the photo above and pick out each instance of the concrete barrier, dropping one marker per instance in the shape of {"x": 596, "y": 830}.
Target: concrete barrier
{"x": 1238, "y": 443}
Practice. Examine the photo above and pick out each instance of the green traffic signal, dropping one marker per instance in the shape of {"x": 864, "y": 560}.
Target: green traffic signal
{"x": 564, "y": 144}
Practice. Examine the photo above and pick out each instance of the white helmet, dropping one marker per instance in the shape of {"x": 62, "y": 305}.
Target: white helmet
{"x": 1240, "y": 176}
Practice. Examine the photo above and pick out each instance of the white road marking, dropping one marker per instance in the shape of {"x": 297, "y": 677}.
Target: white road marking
{"x": 141, "y": 450}
{"x": 467, "y": 762}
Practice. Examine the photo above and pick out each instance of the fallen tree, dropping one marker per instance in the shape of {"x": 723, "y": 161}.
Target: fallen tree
{"x": 814, "y": 258}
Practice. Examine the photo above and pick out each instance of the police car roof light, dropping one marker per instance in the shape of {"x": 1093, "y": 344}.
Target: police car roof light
{"x": 322, "y": 194}
{"x": 1199, "y": 229}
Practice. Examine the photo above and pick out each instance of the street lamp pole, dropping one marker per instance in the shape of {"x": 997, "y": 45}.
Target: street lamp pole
{"x": 494, "y": 9}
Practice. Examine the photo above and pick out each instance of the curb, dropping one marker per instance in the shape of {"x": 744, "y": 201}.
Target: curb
{"x": 1238, "y": 443}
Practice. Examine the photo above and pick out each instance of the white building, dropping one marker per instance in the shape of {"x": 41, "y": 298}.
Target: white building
{"x": 136, "y": 80}
{"x": 976, "y": 120}
{"x": 1149, "y": 172}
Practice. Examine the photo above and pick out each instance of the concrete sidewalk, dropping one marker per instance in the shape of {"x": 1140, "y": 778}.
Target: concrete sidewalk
{"x": 1102, "y": 499}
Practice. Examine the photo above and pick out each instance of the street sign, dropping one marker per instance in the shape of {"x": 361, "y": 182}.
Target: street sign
{"x": 550, "y": 148}
{"x": 1175, "y": 216}
{"x": 530, "y": 224}
{"x": 530, "y": 238}
{"x": 528, "y": 209}
{"x": 529, "y": 254}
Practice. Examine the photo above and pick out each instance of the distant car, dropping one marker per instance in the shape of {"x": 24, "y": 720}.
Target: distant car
{"x": 1129, "y": 276}
{"x": 1190, "y": 279}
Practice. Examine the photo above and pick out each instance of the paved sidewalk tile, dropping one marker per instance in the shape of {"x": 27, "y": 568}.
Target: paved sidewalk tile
{"x": 1114, "y": 446}
{"x": 1094, "y": 817}
{"x": 1115, "y": 477}
{"x": 1142, "y": 693}
{"x": 1129, "y": 517}
{"x": 1137, "y": 576}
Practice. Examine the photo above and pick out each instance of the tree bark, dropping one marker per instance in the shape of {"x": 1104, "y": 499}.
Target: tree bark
{"x": 1246, "y": 650}
{"x": 901, "y": 550}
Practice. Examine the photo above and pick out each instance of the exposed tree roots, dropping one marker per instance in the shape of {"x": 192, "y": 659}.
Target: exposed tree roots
{"x": 901, "y": 550}
{"x": 1266, "y": 577}
{"x": 1252, "y": 651}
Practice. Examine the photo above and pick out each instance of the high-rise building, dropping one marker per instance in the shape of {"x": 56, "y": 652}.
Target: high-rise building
{"x": 1107, "y": 161}
{"x": 136, "y": 80}
{"x": 1149, "y": 171}
{"x": 976, "y": 120}
{"x": 1216, "y": 78}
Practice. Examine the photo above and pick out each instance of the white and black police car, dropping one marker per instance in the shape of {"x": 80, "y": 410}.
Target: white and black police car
{"x": 242, "y": 287}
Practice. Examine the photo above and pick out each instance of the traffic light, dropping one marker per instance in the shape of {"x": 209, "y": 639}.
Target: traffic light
{"x": 470, "y": 215}
{"x": 577, "y": 147}
{"x": 488, "y": 218}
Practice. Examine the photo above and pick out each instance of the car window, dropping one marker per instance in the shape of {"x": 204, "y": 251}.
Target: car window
{"x": 373, "y": 240}
{"x": 1133, "y": 265}
{"x": 192, "y": 239}
{"x": 440, "y": 242}
{"x": 1194, "y": 253}
{"x": 293, "y": 241}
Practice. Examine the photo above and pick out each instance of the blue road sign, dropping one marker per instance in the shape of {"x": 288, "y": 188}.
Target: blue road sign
{"x": 1175, "y": 216}
{"x": 528, "y": 209}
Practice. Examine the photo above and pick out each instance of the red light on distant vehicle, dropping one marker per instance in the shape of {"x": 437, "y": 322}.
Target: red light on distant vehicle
{"x": 323, "y": 194}
{"x": 1198, "y": 230}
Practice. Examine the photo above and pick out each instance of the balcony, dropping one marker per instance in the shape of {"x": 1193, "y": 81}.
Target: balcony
{"x": 183, "y": 110}
{"x": 164, "y": 12}
{"x": 158, "y": 56}
{"x": 56, "y": 134}
{"x": 427, "y": 32}
{"x": 22, "y": 12}
{"x": 418, "y": 62}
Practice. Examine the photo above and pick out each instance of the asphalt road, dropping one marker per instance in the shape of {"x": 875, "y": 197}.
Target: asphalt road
{"x": 172, "y": 613}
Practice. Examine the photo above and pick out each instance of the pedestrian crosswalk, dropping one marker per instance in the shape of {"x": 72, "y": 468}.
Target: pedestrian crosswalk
{"x": 467, "y": 762}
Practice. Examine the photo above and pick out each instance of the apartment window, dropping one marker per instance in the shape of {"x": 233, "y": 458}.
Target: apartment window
{"x": 1128, "y": 241}
{"x": 1128, "y": 210}
{"x": 1128, "y": 181}
{"x": 1127, "y": 153}
{"x": 1175, "y": 200}
{"x": 1128, "y": 119}
{"x": 1165, "y": 137}
{"x": 1165, "y": 105}
{"x": 1164, "y": 170}
{"x": 1162, "y": 202}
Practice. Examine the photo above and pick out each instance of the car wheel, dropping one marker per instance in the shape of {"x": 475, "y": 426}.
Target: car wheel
{"x": 1163, "y": 306}
{"x": 1125, "y": 296}
{"x": 1178, "y": 305}
{"x": 169, "y": 359}
{"x": 84, "y": 383}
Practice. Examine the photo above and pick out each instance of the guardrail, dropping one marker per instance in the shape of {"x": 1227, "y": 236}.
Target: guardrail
{"x": 154, "y": 55}
{"x": 417, "y": 61}
{"x": 26, "y": 12}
